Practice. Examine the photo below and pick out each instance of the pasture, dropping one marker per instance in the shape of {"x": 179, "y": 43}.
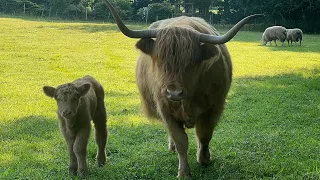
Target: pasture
{"x": 270, "y": 128}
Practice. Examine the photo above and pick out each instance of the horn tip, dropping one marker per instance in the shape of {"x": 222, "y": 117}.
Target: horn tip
{"x": 258, "y": 15}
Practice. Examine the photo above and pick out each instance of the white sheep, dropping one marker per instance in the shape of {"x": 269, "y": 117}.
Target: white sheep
{"x": 274, "y": 33}
{"x": 294, "y": 35}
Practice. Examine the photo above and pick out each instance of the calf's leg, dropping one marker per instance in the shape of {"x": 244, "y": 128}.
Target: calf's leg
{"x": 70, "y": 139}
{"x": 80, "y": 150}
{"x": 73, "y": 165}
{"x": 101, "y": 133}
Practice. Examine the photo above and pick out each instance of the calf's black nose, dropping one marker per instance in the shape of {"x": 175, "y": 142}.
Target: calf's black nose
{"x": 66, "y": 113}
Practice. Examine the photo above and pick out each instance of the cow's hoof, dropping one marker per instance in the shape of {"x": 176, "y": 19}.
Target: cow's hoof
{"x": 184, "y": 174}
{"x": 203, "y": 157}
{"x": 101, "y": 160}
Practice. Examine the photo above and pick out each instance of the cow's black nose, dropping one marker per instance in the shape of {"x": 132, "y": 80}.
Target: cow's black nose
{"x": 174, "y": 95}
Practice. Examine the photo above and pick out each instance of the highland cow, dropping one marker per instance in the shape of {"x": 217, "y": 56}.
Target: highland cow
{"x": 78, "y": 103}
{"x": 183, "y": 75}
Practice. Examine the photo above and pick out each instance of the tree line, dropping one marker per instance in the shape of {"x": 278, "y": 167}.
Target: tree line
{"x": 289, "y": 13}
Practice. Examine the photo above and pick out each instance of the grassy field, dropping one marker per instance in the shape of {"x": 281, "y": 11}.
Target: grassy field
{"x": 270, "y": 128}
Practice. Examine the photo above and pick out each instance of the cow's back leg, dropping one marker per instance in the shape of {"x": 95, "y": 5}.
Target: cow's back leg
{"x": 204, "y": 130}
{"x": 101, "y": 132}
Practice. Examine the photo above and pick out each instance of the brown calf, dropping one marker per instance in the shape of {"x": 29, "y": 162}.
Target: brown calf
{"x": 79, "y": 102}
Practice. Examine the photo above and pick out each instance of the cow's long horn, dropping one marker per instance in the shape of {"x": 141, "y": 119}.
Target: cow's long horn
{"x": 230, "y": 34}
{"x": 128, "y": 32}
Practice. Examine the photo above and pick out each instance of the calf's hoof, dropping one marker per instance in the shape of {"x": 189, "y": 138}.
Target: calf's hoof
{"x": 83, "y": 173}
{"x": 72, "y": 171}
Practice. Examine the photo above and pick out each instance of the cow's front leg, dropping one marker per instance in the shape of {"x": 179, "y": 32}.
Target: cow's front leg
{"x": 180, "y": 139}
{"x": 204, "y": 130}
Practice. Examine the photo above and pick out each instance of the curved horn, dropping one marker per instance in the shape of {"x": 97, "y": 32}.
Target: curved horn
{"x": 128, "y": 32}
{"x": 207, "y": 38}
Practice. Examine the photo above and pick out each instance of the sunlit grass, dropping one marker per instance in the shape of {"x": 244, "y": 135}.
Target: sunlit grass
{"x": 270, "y": 128}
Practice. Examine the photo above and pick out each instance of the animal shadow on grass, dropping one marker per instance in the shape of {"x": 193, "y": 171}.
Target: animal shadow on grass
{"x": 270, "y": 124}
{"x": 29, "y": 139}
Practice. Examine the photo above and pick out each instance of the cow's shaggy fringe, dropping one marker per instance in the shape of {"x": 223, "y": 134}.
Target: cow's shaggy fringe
{"x": 177, "y": 48}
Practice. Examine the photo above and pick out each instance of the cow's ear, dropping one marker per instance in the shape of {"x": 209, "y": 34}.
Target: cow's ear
{"x": 49, "y": 91}
{"x": 208, "y": 51}
{"x": 83, "y": 89}
{"x": 146, "y": 45}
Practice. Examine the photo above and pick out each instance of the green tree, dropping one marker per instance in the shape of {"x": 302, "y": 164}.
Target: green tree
{"x": 123, "y": 7}
{"x": 157, "y": 11}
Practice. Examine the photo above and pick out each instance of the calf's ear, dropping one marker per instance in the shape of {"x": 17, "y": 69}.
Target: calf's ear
{"x": 145, "y": 45}
{"x": 83, "y": 89}
{"x": 49, "y": 91}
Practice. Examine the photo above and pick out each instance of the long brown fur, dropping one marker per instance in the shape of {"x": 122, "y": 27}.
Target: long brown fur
{"x": 78, "y": 103}
{"x": 177, "y": 61}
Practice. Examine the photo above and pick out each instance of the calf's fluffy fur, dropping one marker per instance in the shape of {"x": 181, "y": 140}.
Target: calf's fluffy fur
{"x": 78, "y": 103}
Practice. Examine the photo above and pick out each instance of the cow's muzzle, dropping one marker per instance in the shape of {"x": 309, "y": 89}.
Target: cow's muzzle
{"x": 174, "y": 95}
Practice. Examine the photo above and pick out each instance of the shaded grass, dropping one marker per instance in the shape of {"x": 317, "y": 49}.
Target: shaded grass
{"x": 269, "y": 130}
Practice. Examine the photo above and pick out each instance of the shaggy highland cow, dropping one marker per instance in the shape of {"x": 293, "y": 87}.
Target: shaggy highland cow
{"x": 183, "y": 74}
{"x": 294, "y": 35}
{"x": 274, "y": 33}
{"x": 79, "y": 102}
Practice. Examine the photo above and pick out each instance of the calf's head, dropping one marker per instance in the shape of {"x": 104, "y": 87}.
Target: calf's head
{"x": 67, "y": 97}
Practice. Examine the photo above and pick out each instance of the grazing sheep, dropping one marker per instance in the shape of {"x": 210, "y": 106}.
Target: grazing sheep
{"x": 294, "y": 35}
{"x": 274, "y": 33}
{"x": 79, "y": 102}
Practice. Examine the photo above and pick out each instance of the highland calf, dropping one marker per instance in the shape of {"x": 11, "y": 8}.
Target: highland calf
{"x": 78, "y": 103}
{"x": 184, "y": 73}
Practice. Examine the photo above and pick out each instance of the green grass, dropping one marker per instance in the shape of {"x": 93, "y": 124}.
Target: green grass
{"x": 270, "y": 128}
